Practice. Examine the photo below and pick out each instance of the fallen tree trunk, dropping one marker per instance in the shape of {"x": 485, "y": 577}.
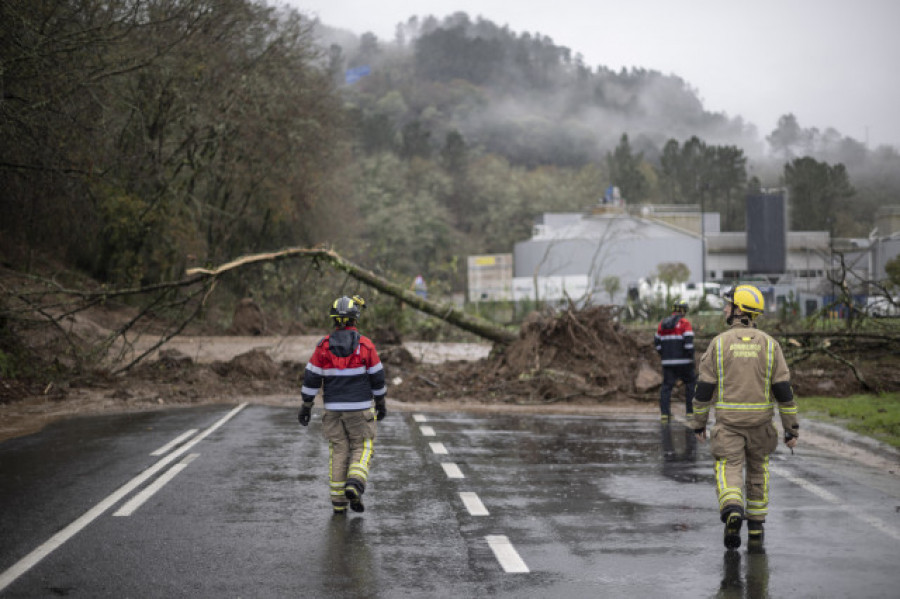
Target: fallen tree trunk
{"x": 445, "y": 312}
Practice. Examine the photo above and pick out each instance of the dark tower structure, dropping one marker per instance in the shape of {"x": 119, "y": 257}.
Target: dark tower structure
{"x": 767, "y": 233}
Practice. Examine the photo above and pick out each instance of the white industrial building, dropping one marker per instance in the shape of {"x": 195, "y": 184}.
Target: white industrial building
{"x": 571, "y": 254}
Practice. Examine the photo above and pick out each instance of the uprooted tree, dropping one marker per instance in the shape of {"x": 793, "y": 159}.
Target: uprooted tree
{"x": 35, "y": 302}
{"x": 446, "y": 312}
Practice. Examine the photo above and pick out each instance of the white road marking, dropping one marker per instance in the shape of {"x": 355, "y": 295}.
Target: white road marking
{"x": 57, "y": 540}
{"x": 427, "y": 431}
{"x": 452, "y": 470}
{"x": 174, "y": 442}
{"x": 419, "y": 417}
{"x": 473, "y": 503}
{"x": 506, "y": 554}
{"x": 138, "y": 500}
{"x": 438, "y": 448}
{"x": 834, "y": 499}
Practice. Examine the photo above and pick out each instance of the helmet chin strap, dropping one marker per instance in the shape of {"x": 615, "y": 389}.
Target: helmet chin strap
{"x": 744, "y": 318}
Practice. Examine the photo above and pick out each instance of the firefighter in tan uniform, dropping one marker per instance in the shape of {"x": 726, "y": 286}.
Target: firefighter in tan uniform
{"x": 744, "y": 370}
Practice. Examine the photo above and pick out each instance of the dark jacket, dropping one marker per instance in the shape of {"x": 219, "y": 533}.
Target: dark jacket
{"x": 347, "y": 364}
{"x": 674, "y": 341}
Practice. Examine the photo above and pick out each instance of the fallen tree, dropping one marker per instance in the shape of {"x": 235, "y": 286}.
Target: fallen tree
{"x": 446, "y": 312}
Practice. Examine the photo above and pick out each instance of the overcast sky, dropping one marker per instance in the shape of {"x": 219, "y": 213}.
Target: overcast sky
{"x": 832, "y": 63}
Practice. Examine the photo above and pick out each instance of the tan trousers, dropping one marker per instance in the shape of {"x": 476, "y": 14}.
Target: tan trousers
{"x": 351, "y": 445}
{"x": 735, "y": 448}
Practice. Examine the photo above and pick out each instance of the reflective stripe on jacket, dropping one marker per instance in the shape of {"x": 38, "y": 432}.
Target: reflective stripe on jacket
{"x": 346, "y": 364}
{"x": 743, "y": 363}
{"x": 674, "y": 341}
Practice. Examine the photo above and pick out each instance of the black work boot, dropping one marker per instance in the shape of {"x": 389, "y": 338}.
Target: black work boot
{"x": 353, "y": 491}
{"x": 733, "y": 520}
{"x": 755, "y": 533}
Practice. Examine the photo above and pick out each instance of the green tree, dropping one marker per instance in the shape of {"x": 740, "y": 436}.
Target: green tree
{"x": 611, "y": 285}
{"x": 815, "y": 191}
{"x": 728, "y": 180}
{"x": 415, "y": 141}
{"x": 160, "y": 129}
{"x": 671, "y": 273}
{"x": 712, "y": 176}
{"x": 625, "y": 171}
{"x": 788, "y": 138}
{"x": 892, "y": 268}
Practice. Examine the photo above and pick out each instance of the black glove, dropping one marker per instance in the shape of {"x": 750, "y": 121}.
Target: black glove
{"x": 699, "y": 431}
{"x": 304, "y": 414}
{"x": 788, "y": 435}
{"x": 380, "y": 410}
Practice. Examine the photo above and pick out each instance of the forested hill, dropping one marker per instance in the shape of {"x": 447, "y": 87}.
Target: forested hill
{"x": 444, "y": 85}
{"x": 517, "y": 94}
{"x": 142, "y": 137}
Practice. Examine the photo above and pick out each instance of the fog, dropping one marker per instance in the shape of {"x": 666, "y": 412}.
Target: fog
{"x": 829, "y": 62}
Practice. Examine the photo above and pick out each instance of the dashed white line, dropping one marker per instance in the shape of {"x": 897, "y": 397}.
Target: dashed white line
{"x": 473, "y": 503}
{"x": 57, "y": 540}
{"x": 438, "y": 448}
{"x": 506, "y": 554}
{"x": 138, "y": 500}
{"x": 174, "y": 442}
{"x": 419, "y": 417}
{"x": 427, "y": 431}
{"x": 834, "y": 499}
{"x": 452, "y": 470}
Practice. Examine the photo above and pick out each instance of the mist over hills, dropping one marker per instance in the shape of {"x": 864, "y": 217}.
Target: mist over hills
{"x": 515, "y": 93}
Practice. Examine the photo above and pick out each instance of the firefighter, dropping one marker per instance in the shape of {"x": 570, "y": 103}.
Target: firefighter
{"x": 674, "y": 342}
{"x": 347, "y": 365}
{"x": 746, "y": 371}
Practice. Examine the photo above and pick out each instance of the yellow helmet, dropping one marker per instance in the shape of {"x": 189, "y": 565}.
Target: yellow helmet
{"x": 748, "y": 298}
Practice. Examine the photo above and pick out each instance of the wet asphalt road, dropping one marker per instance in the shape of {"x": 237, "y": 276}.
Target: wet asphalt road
{"x": 518, "y": 506}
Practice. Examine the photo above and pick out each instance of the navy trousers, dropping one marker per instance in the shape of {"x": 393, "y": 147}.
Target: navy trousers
{"x": 671, "y": 374}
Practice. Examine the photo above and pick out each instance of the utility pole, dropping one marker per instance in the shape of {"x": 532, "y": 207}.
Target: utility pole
{"x": 702, "y": 250}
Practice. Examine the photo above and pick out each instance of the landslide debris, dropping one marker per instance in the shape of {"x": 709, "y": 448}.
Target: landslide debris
{"x": 573, "y": 356}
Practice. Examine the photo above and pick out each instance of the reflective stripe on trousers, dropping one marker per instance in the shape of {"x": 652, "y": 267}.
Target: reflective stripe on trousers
{"x": 351, "y": 447}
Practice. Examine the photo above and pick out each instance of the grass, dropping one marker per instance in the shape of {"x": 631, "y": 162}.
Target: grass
{"x": 876, "y": 416}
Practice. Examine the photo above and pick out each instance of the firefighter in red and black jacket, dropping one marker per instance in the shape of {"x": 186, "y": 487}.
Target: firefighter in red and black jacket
{"x": 346, "y": 364}
{"x": 674, "y": 341}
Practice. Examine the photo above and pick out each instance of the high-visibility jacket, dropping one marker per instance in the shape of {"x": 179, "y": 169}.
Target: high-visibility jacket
{"x": 346, "y": 364}
{"x": 744, "y": 370}
{"x": 674, "y": 341}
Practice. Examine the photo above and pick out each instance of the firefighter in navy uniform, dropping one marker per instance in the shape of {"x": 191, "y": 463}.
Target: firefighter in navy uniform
{"x": 346, "y": 364}
{"x": 674, "y": 342}
{"x": 744, "y": 368}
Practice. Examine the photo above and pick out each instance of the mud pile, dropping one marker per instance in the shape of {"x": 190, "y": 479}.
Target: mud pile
{"x": 573, "y": 356}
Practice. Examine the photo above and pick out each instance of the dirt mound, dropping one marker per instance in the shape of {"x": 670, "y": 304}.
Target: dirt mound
{"x": 248, "y": 319}
{"x": 574, "y": 356}
{"x": 255, "y": 364}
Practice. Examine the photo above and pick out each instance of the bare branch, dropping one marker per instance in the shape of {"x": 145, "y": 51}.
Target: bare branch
{"x": 445, "y": 312}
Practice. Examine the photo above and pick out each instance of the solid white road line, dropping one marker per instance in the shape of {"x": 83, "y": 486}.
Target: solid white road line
{"x": 138, "y": 500}
{"x": 419, "y": 417}
{"x": 506, "y": 554}
{"x": 452, "y": 470}
{"x": 473, "y": 503}
{"x": 438, "y": 448}
{"x": 834, "y": 499}
{"x": 427, "y": 431}
{"x": 57, "y": 540}
{"x": 174, "y": 442}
